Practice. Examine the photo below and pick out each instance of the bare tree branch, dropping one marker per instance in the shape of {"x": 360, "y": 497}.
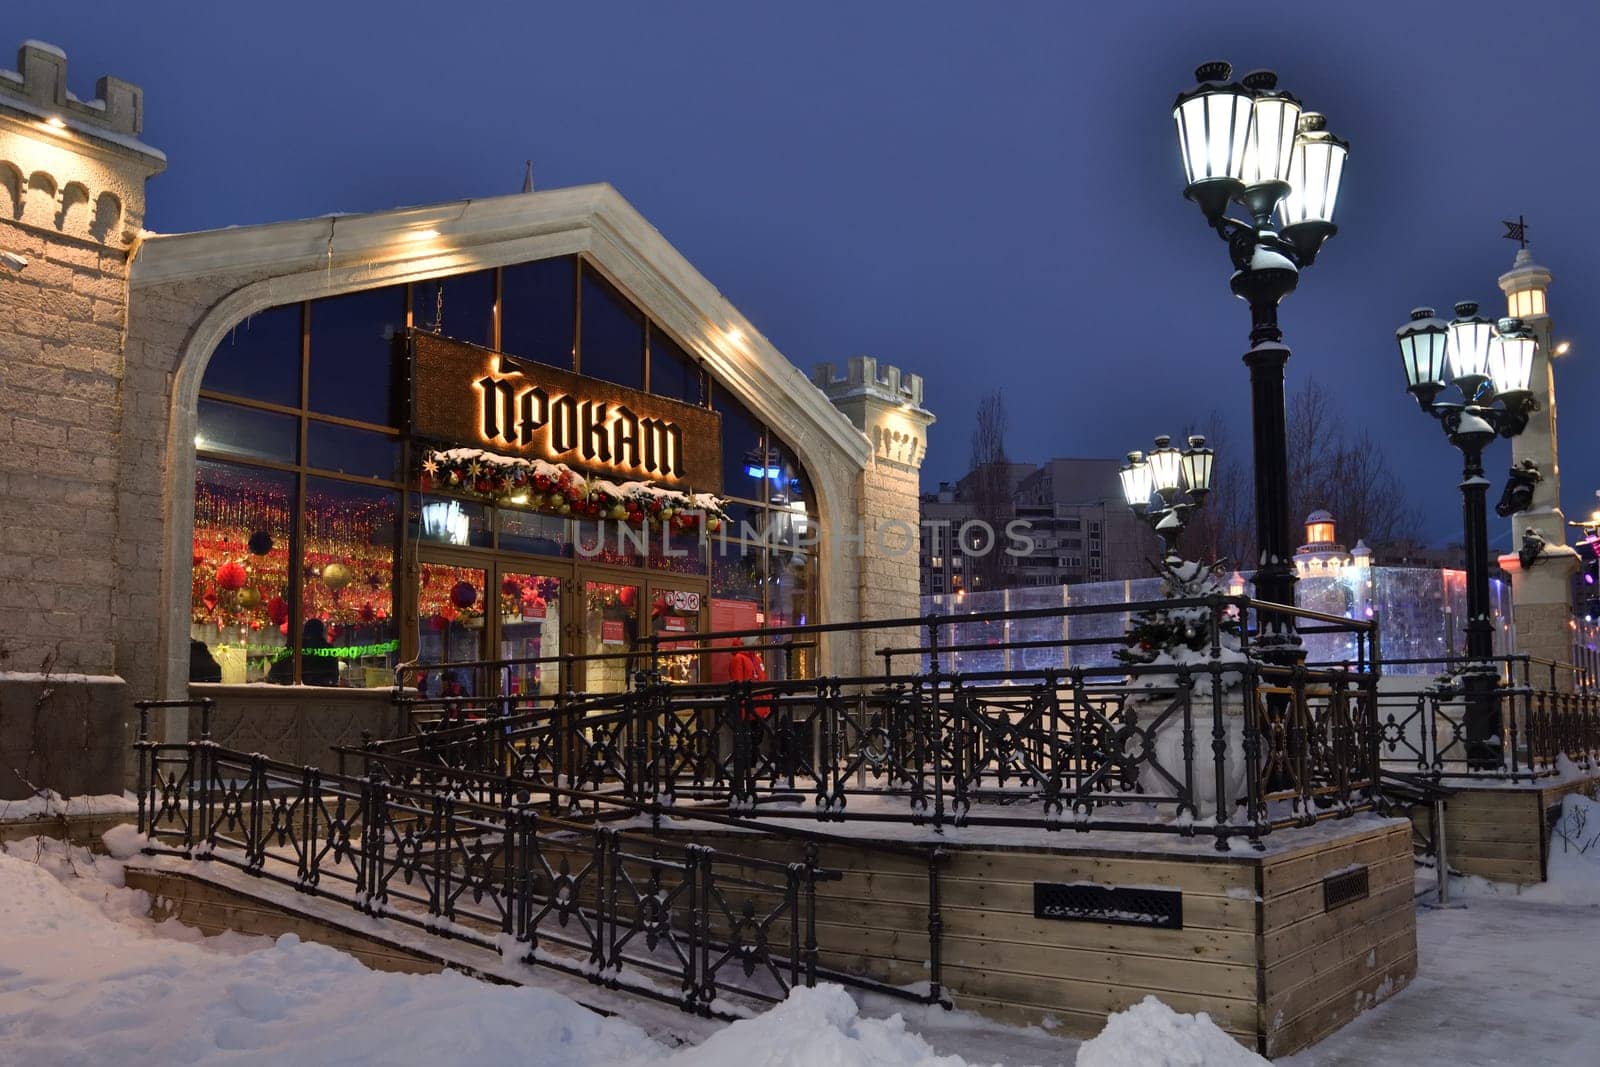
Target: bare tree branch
{"x": 1329, "y": 468}
{"x": 993, "y": 490}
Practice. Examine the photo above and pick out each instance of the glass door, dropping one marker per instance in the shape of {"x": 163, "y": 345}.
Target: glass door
{"x": 530, "y": 628}
{"x": 610, "y": 632}
{"x": 451, "y": 626}
{"x": 675, "y": 617}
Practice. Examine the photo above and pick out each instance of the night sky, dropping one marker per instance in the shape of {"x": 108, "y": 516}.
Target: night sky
{"x": 986, "y": 194}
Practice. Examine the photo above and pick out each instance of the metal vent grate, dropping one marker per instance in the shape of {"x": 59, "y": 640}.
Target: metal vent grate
{"x": 1123, "y": 906}
{"x": 1343, "y": 888}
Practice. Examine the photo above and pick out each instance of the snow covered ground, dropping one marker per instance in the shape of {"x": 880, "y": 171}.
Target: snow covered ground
{"x": 86, "y": 977}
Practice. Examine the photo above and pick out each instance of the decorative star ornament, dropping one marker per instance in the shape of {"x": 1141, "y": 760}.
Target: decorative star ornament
{"x": 430, "y": 467}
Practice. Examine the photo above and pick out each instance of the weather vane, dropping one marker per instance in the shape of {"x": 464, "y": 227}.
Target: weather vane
{"x": 1516, "y": 231}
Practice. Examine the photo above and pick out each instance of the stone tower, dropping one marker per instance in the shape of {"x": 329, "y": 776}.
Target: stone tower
{"x": 72, "y": 177}
{"x": 886, "y": 405}
{"x": 1541, "y": 593}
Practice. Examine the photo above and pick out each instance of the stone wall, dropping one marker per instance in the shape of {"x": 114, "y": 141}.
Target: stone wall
{"x": 69, "y": 733}
{"x": 61, "y": 329}
{"x": 72, "y": 176}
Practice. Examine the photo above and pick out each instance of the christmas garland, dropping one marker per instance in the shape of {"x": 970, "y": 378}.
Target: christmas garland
{"x": 557, "y": 489}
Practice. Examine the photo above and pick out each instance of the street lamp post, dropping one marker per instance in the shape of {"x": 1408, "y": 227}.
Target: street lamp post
{"x": 1490, "y": 364}
{"x": 1250, "y": 143}
{"x": 1165, "y": 485}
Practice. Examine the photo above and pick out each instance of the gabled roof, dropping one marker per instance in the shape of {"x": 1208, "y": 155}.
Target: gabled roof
{"x": 279, "y": 262}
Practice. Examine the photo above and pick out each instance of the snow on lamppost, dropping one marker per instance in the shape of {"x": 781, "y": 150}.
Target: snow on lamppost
{"x": 1250, "y": 143}
{"x": 1490, "y": 364}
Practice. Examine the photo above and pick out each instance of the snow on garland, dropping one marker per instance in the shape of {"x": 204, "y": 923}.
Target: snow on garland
{"x": 1179, "y": 637}
{"x": 558, "y": 489}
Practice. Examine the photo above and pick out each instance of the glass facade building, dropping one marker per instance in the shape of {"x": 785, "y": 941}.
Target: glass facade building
{"x": 322, "y": 557}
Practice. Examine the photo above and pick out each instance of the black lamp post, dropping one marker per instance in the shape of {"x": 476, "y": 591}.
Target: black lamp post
{"x": 1163, "y": 486}
{"x": 1491, "y": 365}
{"x": 1250, "y": 143}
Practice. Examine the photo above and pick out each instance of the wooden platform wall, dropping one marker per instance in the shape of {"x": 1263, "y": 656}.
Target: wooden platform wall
{"x": 1257, "y": 951}
{"x": 1501, "y": 833}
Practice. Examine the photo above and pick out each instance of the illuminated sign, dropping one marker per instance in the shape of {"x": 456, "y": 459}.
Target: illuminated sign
{"x": 465, "y": 395}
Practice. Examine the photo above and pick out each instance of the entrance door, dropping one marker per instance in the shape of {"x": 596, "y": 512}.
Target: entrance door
{"x": 451, "y": 626}
{"x": 609, "y": 631}
{"x": 675, "y": 617}
{"x": 530, "y": 628}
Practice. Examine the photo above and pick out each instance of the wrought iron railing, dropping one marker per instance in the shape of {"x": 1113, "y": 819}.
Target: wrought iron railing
{"x": 624, "y": 907}
{"x": 1120, "y": 748}
{"x": 1546, "y": 714}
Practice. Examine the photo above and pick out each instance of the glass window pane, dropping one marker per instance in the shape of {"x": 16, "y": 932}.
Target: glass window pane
{"x": 443, "y": 520}
{"x": 677, "y": 551}
{"x": 260, "y": 358}
{"x": 611, "y": 341}
{"x": 350, "y": 451}
{"x": 247, "y": 433}
{"x": 610, "y": 541}
{"x": 240, "y": 611}
{"x": 353, "y": 357}
{"x": 349, "y": 636}
{"x": 738, "y": 573}
{"x": 788, "y": 487}
{"x": 527, "y": 531}
{"x": 736, "y": 555}
{"x": 744, "y": 464}
{"x": 791, "y": 601}
{"x": 450, "y": 606}
{"x": 672, "y": 372}
{"x": 537, "y": 305}
{"x": 460, "y": 306}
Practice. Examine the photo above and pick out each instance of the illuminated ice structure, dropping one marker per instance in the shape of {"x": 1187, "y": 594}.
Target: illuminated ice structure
{"x": 1421, "y": 610}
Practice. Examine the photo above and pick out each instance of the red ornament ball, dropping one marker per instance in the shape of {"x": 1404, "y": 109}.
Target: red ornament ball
{"x": 278, "y": 610}
{"x": 232, "y": 576}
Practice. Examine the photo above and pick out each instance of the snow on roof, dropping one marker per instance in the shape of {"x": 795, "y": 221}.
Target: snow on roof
{"x": 45, "y": 46}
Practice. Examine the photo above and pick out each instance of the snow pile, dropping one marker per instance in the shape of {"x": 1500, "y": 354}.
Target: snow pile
{"x": 1150, "y": 1034}
{"x": 1574, "y": 874}
{"x": 816, "y": 1026}
{"x": 47, "y": 802}
{"x": 123, "y": 841}
{"x": 86, "y": 977}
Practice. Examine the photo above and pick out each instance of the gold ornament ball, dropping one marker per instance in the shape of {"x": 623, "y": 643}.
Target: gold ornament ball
{"x": 336, "y": 576}
{"x": 249, "y": 598}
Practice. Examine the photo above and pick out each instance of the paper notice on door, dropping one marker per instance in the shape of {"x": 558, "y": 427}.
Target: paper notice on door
{"x": 611, "y": 632}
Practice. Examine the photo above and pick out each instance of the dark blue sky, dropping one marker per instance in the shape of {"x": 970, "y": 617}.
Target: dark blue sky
{"x": 987, "y": 194}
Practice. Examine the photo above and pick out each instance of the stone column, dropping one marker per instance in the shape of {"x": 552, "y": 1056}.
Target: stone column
{"x": 1541, "y": 594}
{"x": 72, "y": 176}
{"x": 886, "y": 405}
